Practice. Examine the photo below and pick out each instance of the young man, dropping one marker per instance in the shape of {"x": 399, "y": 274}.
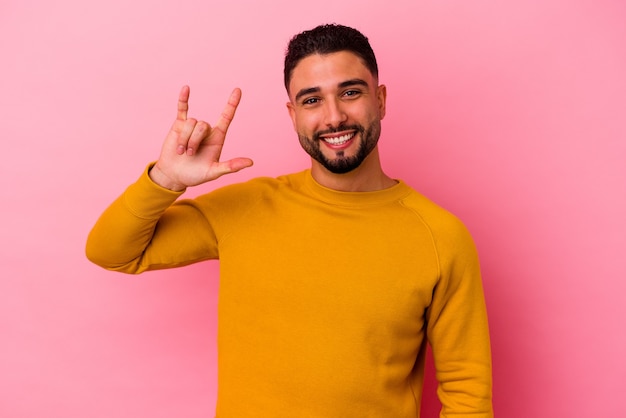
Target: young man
{"x": 333, "y": 279}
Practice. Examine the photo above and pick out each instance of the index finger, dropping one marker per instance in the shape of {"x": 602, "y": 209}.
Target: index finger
{"x": 183, "y": 103}
{"x": 229, "y": 111}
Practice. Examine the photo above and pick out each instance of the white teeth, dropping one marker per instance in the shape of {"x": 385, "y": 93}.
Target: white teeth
{"x": 339, "y": 139}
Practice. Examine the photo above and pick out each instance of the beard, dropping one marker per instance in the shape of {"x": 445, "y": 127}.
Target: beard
{"x": 342, "y": 164}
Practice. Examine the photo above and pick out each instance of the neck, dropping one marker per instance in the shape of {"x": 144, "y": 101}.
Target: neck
{"x": 368, "y": 177}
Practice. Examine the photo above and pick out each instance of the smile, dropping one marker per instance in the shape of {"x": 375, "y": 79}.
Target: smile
{"x": 339, "y": 140}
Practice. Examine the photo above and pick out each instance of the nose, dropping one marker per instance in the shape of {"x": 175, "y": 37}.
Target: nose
{"x": 335, "y": 115}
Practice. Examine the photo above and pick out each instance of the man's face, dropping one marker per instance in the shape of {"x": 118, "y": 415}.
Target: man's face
{"x": 336, "y": 106}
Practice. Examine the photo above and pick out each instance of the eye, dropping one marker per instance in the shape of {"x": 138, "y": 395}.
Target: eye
{"x": 310, "y": 101}
{"x": 351, "y": 93}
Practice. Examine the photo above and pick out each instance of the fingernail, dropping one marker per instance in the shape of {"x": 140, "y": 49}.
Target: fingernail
{"x": 180, "y": 150}
{"x": 189, "y": 151}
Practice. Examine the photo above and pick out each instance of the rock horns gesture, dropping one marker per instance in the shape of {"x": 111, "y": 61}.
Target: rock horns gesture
{"x": 191, "y": 151}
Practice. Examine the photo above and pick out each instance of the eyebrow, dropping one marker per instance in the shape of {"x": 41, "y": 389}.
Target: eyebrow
{"x": 343, "y": 84}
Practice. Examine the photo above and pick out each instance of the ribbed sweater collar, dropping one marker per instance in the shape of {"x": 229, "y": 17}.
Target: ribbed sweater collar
{"x": 354, "y": 199}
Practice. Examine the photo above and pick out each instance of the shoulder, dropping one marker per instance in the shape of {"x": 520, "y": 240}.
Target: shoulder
{"x": 447, "y": 230}
{"x": 259, "y": 185}
{"x": 249, "y": 192}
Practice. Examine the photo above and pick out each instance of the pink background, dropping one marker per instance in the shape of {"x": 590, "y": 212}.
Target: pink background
{"x": 510, "y": 114}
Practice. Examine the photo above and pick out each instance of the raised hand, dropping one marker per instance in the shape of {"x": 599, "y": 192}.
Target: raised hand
{"x": 191, "y": 151}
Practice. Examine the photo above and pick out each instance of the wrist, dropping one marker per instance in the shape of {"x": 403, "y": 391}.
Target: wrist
{"x": 161, "y": 179}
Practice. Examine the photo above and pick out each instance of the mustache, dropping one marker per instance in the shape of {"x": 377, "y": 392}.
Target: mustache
{"x": 318, "y": 134}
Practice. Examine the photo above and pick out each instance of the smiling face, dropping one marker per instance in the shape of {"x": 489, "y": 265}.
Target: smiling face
{"x": 336, "y": 106}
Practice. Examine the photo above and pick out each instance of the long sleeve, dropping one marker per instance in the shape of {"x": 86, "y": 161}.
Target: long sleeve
{"x": 143, "y": 230}
{"x": 458, "y": 330}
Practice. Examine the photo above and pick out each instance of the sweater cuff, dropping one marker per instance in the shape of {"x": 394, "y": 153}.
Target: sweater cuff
{"x": 146, "y": 199}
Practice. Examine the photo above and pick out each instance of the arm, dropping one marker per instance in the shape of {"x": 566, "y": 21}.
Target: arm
{"x": 142, "y": 230}
{"x": 458, "y": 331}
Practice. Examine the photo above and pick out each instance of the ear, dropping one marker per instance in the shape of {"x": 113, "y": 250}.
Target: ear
{"x": 292, "y": 114}
{"x": 381, "y": 95}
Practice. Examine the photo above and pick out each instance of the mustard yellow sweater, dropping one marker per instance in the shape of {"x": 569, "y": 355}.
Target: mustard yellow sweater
{"x": 327, "y": 299}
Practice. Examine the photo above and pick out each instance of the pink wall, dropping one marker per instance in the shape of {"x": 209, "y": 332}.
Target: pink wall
{"x": 511, "y": 114}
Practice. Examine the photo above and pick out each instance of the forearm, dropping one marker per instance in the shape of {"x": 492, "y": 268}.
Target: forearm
{"x": 122, "y": 234}
{"x": 465, "y": 378}
{"x": 463, "y": 366}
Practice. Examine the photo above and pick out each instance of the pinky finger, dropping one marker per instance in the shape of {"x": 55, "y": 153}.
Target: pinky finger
{"x": 229, "y": 111}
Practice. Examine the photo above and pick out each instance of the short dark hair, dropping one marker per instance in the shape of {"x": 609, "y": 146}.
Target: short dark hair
{"x": 326, "y": 39}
